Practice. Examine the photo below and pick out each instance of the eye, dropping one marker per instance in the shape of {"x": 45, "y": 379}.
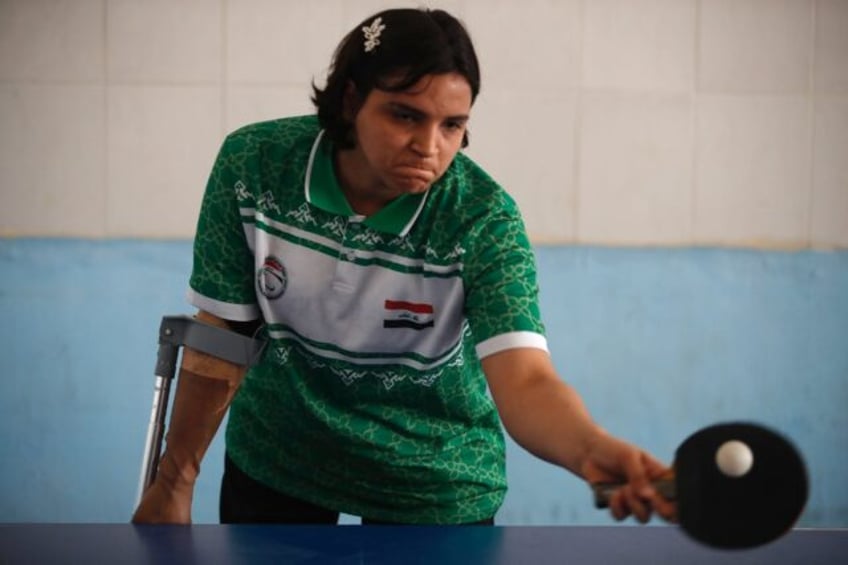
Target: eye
{"x": 454, "y": 125}
{"x": 404, "y": 115}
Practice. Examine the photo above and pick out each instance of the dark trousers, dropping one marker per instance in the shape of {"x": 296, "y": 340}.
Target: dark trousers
{"x": 246, "y": 501}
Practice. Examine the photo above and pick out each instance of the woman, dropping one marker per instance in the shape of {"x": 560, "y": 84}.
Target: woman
{"x": 397, "y": 288}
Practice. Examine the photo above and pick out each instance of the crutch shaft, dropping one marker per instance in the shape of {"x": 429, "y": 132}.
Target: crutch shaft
{"x": 166, "y": 366}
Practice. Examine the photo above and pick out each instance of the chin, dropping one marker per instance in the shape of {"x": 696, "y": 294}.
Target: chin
{"x": 412, "y": 186}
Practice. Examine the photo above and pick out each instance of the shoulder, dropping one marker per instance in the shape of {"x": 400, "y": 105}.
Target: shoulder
{"x": 468, "y": 210}
{"x": 283, "y": 133}
{"x": 470, "y": 190}
{"x": 466, "y": 169}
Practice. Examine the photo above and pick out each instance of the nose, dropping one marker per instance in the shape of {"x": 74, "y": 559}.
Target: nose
{"x": 425, "y": 142}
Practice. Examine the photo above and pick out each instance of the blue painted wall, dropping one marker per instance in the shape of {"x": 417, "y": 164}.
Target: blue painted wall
{"x": 659, "y": 342}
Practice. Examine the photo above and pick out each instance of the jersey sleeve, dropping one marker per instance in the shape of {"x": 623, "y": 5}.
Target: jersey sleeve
{"x": 502, "y": 293}
{"x": 222, "y": 278}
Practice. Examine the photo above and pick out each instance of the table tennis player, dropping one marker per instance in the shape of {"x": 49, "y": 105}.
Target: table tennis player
{"x": 396, "y": 286}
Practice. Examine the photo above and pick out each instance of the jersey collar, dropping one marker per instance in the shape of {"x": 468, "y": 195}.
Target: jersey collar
{"x": 322, "y": 190}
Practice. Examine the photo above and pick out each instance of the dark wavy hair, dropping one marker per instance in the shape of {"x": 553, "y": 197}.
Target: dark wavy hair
{"x": 414, "y": 43}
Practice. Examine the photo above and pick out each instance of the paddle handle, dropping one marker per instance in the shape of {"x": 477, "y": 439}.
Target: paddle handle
{"x": 666, "y": 486}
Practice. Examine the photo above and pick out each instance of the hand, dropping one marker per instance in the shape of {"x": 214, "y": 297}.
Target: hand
{"x": 167, "y": 500}
{"x": 612, "y": 460}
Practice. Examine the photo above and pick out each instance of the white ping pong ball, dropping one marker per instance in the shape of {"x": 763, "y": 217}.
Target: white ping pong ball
{"x": 734, "y": 458}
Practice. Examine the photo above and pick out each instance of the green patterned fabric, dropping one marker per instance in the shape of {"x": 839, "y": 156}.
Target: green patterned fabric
{"x": 370, "y": 399}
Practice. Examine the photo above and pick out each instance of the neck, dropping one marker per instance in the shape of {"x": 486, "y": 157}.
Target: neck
{"x": 364, "y": 192}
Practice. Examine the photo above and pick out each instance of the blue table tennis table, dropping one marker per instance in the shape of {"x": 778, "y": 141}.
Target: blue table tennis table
{"x": 405, "y": 545}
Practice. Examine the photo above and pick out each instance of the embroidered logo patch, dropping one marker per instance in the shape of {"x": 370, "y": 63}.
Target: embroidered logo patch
{"x": 412, "y": 315}
{"x": 271, "y": 278}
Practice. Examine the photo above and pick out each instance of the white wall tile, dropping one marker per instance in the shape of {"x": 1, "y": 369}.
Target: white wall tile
{"x": 525, "y": 140}
{"x": 162, "y": 144}
{"x": 830, "y": 179}
{"x": 356, "y": 12}
{"x": 172, "y": 41}
{"x": 635, "y": 169}
{"x": 831, "y": 71}
{"x": 48, "y": 41}
{"x": 755, "y": 45}
{"x": 52, "y": 147}
{"x": 273, "y": 42}
{"x": 248, "y": 104}
{"x": 752, "y": 170}
{"x": 529, "y": 44}
{"x": 648, "y": 44}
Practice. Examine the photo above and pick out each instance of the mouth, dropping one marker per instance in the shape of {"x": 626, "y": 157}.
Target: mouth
{"x": 416, "y": 172}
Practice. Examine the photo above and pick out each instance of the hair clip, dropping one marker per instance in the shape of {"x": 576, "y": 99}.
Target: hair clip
{"x": 372, "y": 34}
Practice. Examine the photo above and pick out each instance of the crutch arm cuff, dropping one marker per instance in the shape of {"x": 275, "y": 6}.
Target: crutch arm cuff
{"x": 205, "y": 335}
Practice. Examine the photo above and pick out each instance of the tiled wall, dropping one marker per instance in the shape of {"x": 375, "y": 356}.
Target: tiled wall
{"x": 619, "y": 122}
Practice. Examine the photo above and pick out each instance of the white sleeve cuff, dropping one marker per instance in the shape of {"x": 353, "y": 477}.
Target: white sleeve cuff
{"x": 511, "y": 340}
{"x": 224, "y": 310}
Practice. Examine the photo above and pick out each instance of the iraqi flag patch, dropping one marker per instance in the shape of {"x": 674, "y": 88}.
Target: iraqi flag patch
{"x": 411, "y": 315}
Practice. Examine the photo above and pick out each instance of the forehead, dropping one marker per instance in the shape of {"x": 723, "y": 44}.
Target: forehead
{"x": 445, "y": 91}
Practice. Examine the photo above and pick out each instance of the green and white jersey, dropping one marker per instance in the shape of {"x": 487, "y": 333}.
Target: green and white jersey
{"x": 370, "y": 398}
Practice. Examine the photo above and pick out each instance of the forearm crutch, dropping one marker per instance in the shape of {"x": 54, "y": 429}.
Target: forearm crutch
{"x": 175, "y": 332}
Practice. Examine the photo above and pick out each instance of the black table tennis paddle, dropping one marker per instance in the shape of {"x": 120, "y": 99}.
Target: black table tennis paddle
{"x": 726, "y": 511}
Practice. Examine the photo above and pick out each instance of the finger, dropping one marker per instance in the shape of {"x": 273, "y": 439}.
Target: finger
{"x": 617, "y": 507}
{"x": 625, "y": 503}
{"x": 665, "y": 508}
{"x": 642, "y": 472}
{"x": 654, "y": 467}
{"x": 638, "y": 506}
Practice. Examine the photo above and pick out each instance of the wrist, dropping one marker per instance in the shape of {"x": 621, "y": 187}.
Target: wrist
{"x": 179, "y": 473}
{"x": 591, "y": 456}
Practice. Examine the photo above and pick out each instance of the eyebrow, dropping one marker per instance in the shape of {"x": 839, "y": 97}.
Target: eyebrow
{"x": 419, "y": 113}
